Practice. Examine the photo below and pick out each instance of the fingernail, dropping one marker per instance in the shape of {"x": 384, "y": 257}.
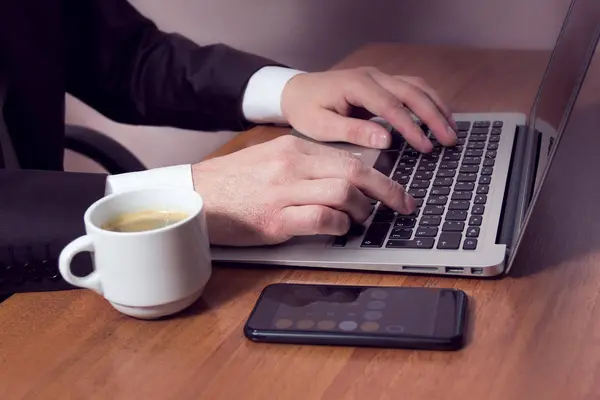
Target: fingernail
{"x": 427, "y": 146}
{"x": 409, "y": 203}
{"x": 380, "y": 140}
{"x": 451, "y": 132}
{"x": 453, "y": 122}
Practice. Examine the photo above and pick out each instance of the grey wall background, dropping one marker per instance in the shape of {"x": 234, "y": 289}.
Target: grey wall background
{"x": 312, "y": 35}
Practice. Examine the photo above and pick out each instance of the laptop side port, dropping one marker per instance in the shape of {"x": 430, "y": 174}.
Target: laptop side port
{"x": 477, "y": 271}
{"x": 454, "y": 270}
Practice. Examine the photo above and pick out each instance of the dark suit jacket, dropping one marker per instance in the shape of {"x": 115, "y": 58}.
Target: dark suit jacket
{"x": 111, "y": 57}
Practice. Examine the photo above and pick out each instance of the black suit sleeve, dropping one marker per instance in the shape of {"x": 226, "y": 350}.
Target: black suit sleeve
{"x": 120, "y": 64}
{"x": 42, "y": 211}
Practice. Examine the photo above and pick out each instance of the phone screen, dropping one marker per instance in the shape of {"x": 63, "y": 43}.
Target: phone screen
{"x": 370, "y": 311}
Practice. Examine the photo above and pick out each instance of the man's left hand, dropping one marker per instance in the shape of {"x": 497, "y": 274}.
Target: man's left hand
{"x": 320, "y": 105}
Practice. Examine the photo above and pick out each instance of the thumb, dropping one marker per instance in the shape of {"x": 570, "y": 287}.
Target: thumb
{"x": 328, "y": 126}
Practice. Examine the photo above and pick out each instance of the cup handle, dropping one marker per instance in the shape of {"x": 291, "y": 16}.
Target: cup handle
{"x": 81, "y": 244}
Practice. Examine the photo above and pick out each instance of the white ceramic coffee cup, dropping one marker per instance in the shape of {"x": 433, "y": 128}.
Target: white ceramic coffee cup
{"x": 148, "y": 274}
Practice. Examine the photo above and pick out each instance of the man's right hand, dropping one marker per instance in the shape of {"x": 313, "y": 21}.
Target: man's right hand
{"x": 271, "y": 192}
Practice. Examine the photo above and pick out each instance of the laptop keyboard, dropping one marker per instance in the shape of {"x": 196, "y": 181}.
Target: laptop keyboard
{"x": 449, "y": 184}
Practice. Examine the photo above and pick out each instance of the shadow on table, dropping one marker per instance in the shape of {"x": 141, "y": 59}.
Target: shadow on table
{"x": 230, "y": 283}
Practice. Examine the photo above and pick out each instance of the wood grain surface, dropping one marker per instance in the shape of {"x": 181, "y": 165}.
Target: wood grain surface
{"x": 534, "y": 335}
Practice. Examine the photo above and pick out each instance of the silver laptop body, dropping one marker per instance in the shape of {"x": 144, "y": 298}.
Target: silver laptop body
{"x": 475, "y": 198}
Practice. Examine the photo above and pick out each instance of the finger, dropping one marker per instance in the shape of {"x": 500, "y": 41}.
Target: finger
{"x": 329, "y": 126}
{"x": 433, "y": 95}
{"x": 371, "y": 95}
{"x": 331, "y": 192}
{"x": 420, "y": 103}
{"x": 368, "y": 180}
{"x": 313, "y": 220}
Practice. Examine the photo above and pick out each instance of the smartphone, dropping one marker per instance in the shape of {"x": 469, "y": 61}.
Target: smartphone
{"x": 372, "y": 316}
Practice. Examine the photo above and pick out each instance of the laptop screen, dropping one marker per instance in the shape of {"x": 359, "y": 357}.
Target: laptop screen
{"x": 561, "y": 84}
{"x": 567, "y": 66}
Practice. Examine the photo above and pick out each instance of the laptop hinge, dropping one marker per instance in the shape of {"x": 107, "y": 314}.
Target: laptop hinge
{"x": 517, "y": 193}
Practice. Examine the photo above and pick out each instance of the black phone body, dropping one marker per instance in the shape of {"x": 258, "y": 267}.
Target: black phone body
{"x": 371, "y": 316}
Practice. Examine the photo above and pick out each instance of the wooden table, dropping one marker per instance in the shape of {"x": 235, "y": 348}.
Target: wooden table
{"x": 535, "y": 335}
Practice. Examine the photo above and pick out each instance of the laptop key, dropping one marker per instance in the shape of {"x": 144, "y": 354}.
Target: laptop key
{"x": 492, "y": 146}
{"x": 462, "y": 195}
{"x": 478, "y": 131}
{"x": 418, "y": 202}
{"x": 443, "y": 182}
{"x": 340, "y": 241}
{"x": 427, "y": 231}
{"x": 478, "y": 209}
{"x": 473, "y": 153}
{"x": 404, "y": 170}
{"x": 384, "y": 217}
{"x": 448, "y": 164}
{"x": 473, "y": 232}
{"x": 426, "y": 166}
{"x": 419, "y": 243}
{"x": 375, "y": 235}
{"x": 466, "y": 178}
{"x": 446, "y": 173}
{"x": 431, "y": 157}
{"x": 475, "y": 146}
{"x": 437, "y": 200}
{"x": 477, "y": 138}
{"x": 433, "y": 210}
{"x": 470, "y": 244}
{"x": 401, "y": 233}
{"x": 419, "y": 184}
{"x": 459, "y": 205}
{"x": 451, "y": 157}
{"x": 463, "y": 125}
{"x": 485, "y": 180}
{"x": 497, "y": 124}
{"x": 462, "y": 134}
{"x": 483, "y": 189}
{"x": 424, "y": 175}
{"x": 417, "y": 193}
{"x": 397, "y": 141}
{"x": 489, "y": 162}
{"x": 440, "y": 191}
{"x": 471, "y": 161}
{"x": 490, "y": 154}
{"x": 475, "y": 220}
{"x": 430, "y": 220}
{"x": 385, "y": 162}
{"x": 405, "y": 222}
{"x": 408, "y": 163}
{"x": 461, "y": 141}
{"x": 496, "y": 131}
{"x": 464, "y": 186}
{"x": 494, "y": 139}
{"x": 453, "y": 150}
{"x": 401, "y": 179}
{"x": 480, "y": 199}
{"x": 453, "y": 226}
{"x": 449, "y": 240}
{"x": 481, "y": 124}
{"x": 456, "y": 215}
{"x": 469, "y": 169}
{"x": 487, "y": 171}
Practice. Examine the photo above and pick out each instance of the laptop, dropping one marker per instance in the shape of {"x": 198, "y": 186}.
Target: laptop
{"x": 474, "y": 199}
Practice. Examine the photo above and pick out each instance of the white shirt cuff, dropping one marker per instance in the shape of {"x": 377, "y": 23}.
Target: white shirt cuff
{"x": 262, "y": 98}
{"x": 176, "y": 176}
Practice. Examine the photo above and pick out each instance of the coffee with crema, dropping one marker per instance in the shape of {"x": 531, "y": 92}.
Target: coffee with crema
{"x": 140, "y": 221}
